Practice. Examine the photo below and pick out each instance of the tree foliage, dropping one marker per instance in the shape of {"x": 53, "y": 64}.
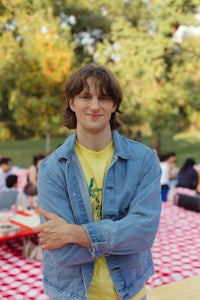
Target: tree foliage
{"x": 41, "y": 59}
{"x": 43, "y": 41}
{"x": 150, "y": 64}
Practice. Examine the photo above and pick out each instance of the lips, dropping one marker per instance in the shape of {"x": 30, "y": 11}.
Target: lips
{"x": 94, "y": 115}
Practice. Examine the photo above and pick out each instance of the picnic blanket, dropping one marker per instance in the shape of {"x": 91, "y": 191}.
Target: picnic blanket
{"x": 175, "y": 252}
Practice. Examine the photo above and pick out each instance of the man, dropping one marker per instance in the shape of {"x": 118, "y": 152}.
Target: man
{"x": 5, "y": 170}
{"x": 99, "y": 199}
{"x": 173, "y": 169}
{"x": 10, "y": 195}
{"x": 164, "y": 180}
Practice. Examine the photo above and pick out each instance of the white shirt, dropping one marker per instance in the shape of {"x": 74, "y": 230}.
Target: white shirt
{"x": 3, "y": 178}
{"x": 165, "y": 172}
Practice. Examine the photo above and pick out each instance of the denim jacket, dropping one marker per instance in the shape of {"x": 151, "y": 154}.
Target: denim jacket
{"x": 130, "y": 217}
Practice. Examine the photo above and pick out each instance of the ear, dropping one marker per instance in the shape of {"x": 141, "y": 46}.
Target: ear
{"x": 114, "y": 108}
{"x": 71, "y": 104}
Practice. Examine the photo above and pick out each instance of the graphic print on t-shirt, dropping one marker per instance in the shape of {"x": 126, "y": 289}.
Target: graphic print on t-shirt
{"x": 95, "y": 196}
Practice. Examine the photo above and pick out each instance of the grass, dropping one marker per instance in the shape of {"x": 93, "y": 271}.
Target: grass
{"x": 22, "y": 152}
{"x": 188, "y": 145}
{"x": 185, "y": 145}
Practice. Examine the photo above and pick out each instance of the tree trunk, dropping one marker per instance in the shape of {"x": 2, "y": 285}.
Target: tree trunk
{"x": 156, "y": 143}
{"x": 48, "y": 142}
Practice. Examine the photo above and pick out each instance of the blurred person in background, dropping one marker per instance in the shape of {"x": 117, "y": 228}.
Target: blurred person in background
{"x": 165, "y": 176}
{"x": 11, "y": 196}
{"x": 173, "y": 169}
{"x": 197, "y": 168}
{"x": 30, "y": 188}
{"x": 188, "y": 178}
{"x": 186, "y": 192}
{"x": 5, "y": 170}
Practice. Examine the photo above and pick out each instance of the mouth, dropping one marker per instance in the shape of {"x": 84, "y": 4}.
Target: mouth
{"x": 94, "y": 115}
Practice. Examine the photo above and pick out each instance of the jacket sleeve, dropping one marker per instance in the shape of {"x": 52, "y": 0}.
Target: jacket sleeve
{"x": 52, "y": 196}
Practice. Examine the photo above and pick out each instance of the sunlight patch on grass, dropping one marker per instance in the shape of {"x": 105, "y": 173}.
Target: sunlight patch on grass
{"x": 191, "y": 137}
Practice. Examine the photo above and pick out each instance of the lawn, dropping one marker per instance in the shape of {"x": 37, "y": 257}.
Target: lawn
{"x": 185, "y": 145}
{"x": 22, "y": 152}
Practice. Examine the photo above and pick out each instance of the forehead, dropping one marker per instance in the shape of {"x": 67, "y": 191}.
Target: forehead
{"x": 94, "y": 84}
{"x": 172, "y": 159}
{"x": 7, "y": 165}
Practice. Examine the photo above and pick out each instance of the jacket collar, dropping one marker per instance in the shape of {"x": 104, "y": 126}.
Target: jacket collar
{"x": 121, "y": 147}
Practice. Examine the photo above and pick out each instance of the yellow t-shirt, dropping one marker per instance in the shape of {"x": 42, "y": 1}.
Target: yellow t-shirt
{"x": 95, "y": 165}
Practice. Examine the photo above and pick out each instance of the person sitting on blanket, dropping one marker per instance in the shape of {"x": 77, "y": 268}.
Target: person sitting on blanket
{"x": 11, "y": 196}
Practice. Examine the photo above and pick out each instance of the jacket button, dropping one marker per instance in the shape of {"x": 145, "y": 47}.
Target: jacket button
{"x": 109, "y": 187}
{"x": 115, "y": 269}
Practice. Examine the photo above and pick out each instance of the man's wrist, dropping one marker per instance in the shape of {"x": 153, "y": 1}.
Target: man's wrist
{"x": 80, "y": 236}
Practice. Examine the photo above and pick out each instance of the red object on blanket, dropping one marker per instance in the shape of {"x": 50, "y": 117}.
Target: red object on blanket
{"x": 24, "y": 230}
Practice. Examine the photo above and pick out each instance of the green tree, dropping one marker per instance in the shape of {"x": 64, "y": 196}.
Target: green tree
{"x": 185, "y": 83}
{"x": 42, "y": 59}
{"x": 144, "y": 57}
{"x": 47, "y": 39}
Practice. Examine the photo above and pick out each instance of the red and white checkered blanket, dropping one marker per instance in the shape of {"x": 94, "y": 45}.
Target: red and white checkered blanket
{"x": 175, "y": 252}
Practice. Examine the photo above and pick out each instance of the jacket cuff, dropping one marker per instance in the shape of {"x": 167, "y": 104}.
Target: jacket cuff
{"x": 98, "y": 243}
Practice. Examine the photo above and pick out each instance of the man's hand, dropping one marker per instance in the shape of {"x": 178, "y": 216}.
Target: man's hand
{"x": 56, "y": 232}
{"x": 52, "y": 233}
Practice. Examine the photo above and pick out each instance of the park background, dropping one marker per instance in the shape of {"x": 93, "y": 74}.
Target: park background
{"x": 152, "y": 46}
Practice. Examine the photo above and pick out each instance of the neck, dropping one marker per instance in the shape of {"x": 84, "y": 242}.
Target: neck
{"x": 94, "y": 141}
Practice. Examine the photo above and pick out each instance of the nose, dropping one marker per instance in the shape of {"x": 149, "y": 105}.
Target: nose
{"x": 95, "y": 103}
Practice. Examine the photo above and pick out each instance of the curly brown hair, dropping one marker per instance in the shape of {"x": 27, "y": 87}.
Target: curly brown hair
{"x": 106, "y": 83}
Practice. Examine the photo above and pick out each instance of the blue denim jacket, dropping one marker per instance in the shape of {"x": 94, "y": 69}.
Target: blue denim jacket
{"x": 131, "y": 212}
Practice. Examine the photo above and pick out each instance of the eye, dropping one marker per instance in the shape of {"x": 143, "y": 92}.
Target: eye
{"x": 103, "y": 97}
{"x": 85, "y": 96}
